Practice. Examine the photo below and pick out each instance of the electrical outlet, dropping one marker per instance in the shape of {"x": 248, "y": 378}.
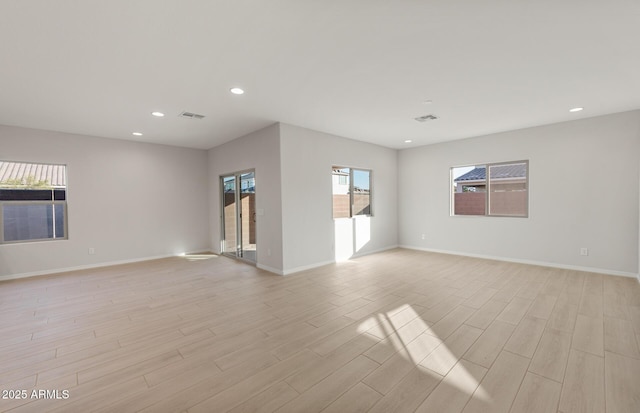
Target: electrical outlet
{"x": 269, "y": 252}
{"x": 423, "y": 236}
{"x": 584, "y": 251}
{"x": 92, "y": 251}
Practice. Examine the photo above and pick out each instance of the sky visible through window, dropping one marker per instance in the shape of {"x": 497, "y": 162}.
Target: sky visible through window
{"x": 361, "y": 179}
{"x": 459, "y": 171}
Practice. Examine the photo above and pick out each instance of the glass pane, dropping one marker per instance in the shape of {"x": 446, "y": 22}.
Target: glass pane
{"x": 24, "y": 222}
{"x": 59, "y": 224}
{"x": 508, "y": 189}
{"x": 340, "y": 185}
{"x": 229, "y": 214}
{"x": 469, "y": 188}
{"x": 248, "y": 211}
{"x": 361, "y": 192}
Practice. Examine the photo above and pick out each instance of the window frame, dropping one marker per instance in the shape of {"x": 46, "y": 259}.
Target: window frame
{"x": 352, "y": 191}
{"x": 52, "y": 202}
{"x": 487, "y": 179}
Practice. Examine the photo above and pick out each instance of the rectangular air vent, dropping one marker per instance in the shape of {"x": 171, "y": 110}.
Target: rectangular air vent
{"x": 426, "y": 118}
{"x": 190, "y": 115}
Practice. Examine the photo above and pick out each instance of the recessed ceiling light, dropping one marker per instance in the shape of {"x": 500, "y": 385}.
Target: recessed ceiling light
{"x": 427, "y": 102}
{"x": 236, "y": 91}
{"x": 576, "y": 109}
{"x": 408, "y": 141}
{"x": 157, "y": 114}
{"x": 137, "y": 133}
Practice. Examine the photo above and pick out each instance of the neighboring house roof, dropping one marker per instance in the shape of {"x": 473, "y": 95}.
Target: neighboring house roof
{"x": 475, "y": 174}
{"x": 54, "y": 175}
{"x": 517, "y": 170}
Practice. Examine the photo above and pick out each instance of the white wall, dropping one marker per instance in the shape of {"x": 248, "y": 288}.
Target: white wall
{"x": 133, "y": 201}
{"x": 127, "y": 200}
{"x": 583, "y": 193}
{"x": 307, "y": 222}
{"x": 259, "y": 150}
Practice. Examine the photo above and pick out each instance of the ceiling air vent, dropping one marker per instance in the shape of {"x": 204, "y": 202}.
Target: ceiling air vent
{"x": 190, "y": 115}
{"x": 426, "y": 118}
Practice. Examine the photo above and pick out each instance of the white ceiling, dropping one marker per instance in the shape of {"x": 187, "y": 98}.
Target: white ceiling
{"x": 355, "y": 68}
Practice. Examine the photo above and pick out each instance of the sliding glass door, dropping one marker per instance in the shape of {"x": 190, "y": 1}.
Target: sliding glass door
{"x": 239, "y": 215}
{"x": 229, "y": 215}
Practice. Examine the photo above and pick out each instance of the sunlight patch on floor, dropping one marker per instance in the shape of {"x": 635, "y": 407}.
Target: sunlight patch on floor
{"x": 390, "y": 326}
{"x": 197, "y": 257}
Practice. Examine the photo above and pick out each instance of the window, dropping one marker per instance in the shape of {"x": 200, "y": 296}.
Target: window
{"x": 504, "y": 191}
{"x": 33, "y": 202}
{"x": 351, "y": 192}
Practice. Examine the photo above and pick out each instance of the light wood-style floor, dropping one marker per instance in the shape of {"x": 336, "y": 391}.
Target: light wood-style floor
{"x": 399, "y": 331}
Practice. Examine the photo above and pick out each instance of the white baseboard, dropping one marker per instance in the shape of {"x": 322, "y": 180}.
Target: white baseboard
{"x": 362, "y": 254}
{"x": 321, "y": 264}
{"x": 530, "y": 262}
{"x": 270, "y": 269}
{"x": 90, "y": 266}
{"x": 307, "y": 267}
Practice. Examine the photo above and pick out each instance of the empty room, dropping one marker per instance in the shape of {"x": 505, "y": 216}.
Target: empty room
{"x": 317, "y": 206}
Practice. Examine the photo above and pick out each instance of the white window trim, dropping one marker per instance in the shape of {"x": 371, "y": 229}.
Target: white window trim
{"x": 488, "y": 190}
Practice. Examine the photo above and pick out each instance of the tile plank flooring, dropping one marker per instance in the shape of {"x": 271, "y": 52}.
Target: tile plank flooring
{"x": 398, "y": 331}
